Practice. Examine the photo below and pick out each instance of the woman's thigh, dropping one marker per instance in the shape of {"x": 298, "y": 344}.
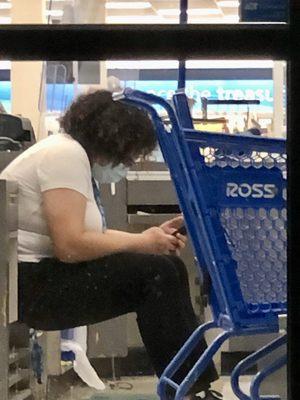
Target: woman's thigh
{"x": 55, "y": 295}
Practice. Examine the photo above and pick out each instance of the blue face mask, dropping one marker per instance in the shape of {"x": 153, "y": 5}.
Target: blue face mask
{"x": 109, "y": 174}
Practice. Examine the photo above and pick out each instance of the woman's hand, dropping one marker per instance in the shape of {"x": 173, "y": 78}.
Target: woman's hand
{"x": 170, "y": 227}
{"x": 157, "y": 241}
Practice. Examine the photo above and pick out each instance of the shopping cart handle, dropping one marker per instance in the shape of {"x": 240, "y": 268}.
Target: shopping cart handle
{"x": 119, "y": 96}
{"x": 133, "y": 94}
{"x": 138, "y": 96}
{"x": 128, "y": 93}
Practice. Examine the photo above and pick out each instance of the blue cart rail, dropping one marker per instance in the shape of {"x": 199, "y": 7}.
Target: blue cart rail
{"x": 232, "y": 192}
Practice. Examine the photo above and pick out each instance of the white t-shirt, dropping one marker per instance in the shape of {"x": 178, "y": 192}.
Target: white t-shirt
{"x": 58, "y": 161}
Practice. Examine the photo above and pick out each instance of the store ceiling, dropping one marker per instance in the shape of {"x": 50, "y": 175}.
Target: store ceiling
{"x": 143, "y": 11}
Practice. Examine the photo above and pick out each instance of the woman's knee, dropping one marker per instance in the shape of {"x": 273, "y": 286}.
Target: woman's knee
{"x": 153, "y": 268}
{"x": 180, "y": 267}
{"x": 163, "y": 269}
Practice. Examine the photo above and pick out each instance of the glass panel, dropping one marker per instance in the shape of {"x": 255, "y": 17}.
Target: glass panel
{"x": 211, "y": 86}
{"x": 140, "y": 12}
{"x": 256, "y": 236}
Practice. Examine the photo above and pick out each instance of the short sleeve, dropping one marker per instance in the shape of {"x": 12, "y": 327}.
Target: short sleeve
{"x": 65, "y": 165}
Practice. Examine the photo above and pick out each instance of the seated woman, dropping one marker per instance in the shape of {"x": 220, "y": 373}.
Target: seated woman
{"x": 73, "y": 270}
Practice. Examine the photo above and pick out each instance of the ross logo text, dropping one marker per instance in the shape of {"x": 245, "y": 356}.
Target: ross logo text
{"x": 255, "y": 190}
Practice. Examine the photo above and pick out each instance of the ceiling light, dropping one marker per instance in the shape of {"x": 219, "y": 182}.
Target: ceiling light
{"x": 203, "y": 64}
{"x": 142, "y": 64}
{"x": 229, "y": 3}
{"x": 5, "y": 20}
{"x": 190, "y": 64}
{"x": 139, "y": 5}
{"x": 5, "y": 6}
{"x": 214, "y": 20}
{"x": 231, "y": 18}
{"x": 5, "y": 64}
{"x": 54, "y": 13}
{"x": 168, "y": 11}
{"x": 134, "y": 19}
{"x": 192, "y": 11}
{"x": 204, "y": 11}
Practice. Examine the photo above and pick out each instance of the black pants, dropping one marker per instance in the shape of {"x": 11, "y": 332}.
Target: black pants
{"x": 55, "y": 296}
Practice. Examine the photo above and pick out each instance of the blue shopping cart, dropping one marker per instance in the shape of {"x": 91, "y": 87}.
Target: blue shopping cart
{"x": 232, "y": 192}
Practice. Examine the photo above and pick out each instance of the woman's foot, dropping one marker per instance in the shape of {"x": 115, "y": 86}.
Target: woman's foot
{"x": 209, "y": 394}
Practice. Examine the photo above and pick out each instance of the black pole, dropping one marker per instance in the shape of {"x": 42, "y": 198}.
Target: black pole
{"x": 183, "y": 20}
{"x": 133, "y": 42}
{"x": 293, "y": 141}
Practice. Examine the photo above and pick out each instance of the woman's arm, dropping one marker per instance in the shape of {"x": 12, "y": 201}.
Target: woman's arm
{"x": 65, "y": 212}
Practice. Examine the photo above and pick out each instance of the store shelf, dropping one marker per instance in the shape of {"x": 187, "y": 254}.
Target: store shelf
{"x": 22, "y": 395}
{"x": 17, "y": 355}
{"x": 13, "y": 235}
{"x": 18, "y": 376}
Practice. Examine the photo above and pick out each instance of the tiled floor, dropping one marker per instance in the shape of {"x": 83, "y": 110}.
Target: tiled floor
{"x": 143, "y": 388}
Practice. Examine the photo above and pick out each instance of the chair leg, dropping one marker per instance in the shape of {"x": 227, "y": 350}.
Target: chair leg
{"x": 252, "y": 360}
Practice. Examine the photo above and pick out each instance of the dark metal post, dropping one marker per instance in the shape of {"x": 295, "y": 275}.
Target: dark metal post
{"x": 293, "y": 139}
{"x": 183, "y": 20}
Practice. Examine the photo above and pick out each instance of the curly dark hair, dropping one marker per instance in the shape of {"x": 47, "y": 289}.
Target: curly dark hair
{"x": 114, "y": 130}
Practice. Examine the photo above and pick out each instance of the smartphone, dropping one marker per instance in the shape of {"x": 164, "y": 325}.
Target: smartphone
{"x": 182, "y": 230}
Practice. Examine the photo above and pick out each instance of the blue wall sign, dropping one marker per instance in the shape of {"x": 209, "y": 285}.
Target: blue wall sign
{"x": 264, "y": 10}
{"x": 60, "y": 96}
{"x": 217, "y": 89}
